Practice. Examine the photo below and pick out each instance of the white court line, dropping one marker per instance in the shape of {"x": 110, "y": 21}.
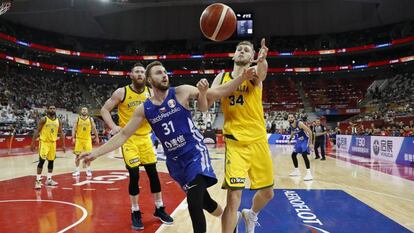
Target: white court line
{"x": 89, "y": 189}
{"x": 68, "y": 188}
{"x": 112, "y": 189}
{"x": 84, "y": 211}
{"x": 179, "y": 207}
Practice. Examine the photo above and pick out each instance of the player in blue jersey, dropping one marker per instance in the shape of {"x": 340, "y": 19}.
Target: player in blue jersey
{"x": 303, "y": 144}
{"x": 188, "y": 161}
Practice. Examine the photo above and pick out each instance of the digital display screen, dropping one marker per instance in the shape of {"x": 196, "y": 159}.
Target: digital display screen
{"x": 244, "y": 24}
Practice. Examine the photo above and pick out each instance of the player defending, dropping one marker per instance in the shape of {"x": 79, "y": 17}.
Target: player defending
{"x": 82, "y": 138}
{"x": 303, "y": 143}
{"x": 48, "y": 126}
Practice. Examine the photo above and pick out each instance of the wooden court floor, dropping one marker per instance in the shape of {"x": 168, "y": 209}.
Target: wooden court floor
{"x": 102, "y": 205}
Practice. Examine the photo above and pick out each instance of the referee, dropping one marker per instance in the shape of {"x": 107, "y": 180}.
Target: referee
{"x": 319, "y": 132}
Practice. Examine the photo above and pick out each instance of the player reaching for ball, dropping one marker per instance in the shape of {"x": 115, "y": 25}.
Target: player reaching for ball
{"x": 168, "y": 114}
{"x": 247, "y": 149}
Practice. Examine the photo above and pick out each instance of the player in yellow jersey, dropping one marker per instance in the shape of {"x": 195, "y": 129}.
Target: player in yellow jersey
{"x": 247, "y": 150}
{"x": 82, "y": 138}
{"x": 138, "y": 149}
{"x": 48, "y": 126}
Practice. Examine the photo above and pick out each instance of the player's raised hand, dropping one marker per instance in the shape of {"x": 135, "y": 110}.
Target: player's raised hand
{"x": 202, "y": 86}
{"x": 249, "y": 73}
{"x": 262, "y": 52}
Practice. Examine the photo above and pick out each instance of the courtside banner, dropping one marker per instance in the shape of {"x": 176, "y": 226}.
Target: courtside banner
{"x": 343, "y": 142}
{"x": 360, "y": 146}
{"x": 392, "y": 149}
{"x": 282, "y": 139}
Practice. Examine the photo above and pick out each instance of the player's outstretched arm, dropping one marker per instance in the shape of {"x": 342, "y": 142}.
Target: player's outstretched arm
{"x": 218, "y": 91}
{"x": 261, "y": 61}
{"x": 202, "y": 87}
{"x": 120, "y": 138}
{"x": 186, "y": 92}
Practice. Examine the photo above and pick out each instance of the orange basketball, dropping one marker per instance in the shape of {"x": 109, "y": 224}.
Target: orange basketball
{"x": 218, "y": 22}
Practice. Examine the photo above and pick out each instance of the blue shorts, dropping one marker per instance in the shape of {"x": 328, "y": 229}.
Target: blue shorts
{"x": 186, "y": 167}
{"x": 301, "y": 146}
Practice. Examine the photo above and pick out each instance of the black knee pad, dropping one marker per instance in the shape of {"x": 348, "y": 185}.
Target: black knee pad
{"x": 133, "y": 181}
{"x": 152, "y": 173}
{"x": 50, "y": 164}
{"x": 41, "y": 162}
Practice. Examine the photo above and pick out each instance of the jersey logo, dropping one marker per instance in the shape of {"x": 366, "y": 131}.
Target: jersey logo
{"x": 171, "y": 103}
{"x": 237, "y": 180}
{"x": 163, "y": 109}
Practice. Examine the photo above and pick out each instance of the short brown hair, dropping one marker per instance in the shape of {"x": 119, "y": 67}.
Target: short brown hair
{"x": 137, "y": 64}
{"x": 149, "y": 67}
{"x": 246, "y": 42}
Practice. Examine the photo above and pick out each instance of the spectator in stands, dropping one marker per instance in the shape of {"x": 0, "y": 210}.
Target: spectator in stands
{"x": 407, "y": 131}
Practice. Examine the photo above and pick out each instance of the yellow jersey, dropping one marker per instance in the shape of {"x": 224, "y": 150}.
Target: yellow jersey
{"x": 84, "y": 128}
{"x": 243, "y": 112}
{"x": 49, "y": 131}
{"x": 127, "y": 106}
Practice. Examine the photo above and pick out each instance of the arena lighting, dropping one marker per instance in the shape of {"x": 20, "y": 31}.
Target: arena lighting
{"x": 296, "y": 70}
{"x": 201, "y": 56}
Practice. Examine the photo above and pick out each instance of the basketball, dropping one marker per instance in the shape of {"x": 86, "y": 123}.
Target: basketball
{"x": 218, "y": 22}
{"x": 5, "y": 6}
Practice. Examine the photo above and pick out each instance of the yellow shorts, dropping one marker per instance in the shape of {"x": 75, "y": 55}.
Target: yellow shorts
{"x": 248, "y": 160}
{"x": 47, "y": 150}
{"x": 82, "y": 145}
{"x": 138, "y": 150}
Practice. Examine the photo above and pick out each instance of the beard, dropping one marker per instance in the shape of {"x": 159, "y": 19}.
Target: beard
{"x": 161, "y": 87}
{"x": 139, "y": 83}
{"x": 52, "y": 114}
{"x": 84, "y": 114}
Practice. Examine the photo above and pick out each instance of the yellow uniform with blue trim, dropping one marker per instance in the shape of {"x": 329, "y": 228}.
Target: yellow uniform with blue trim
{"x": 137, "y": 150}
{"x": 48, "y": 137}
{"x": 247, "y": 149}
{"x": 83, "y": 142}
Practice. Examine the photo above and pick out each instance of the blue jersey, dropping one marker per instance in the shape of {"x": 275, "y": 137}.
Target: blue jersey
{"x": 187, "y": 155}
{"x": 302, "y": 138}
{"x": 173, "y": 126}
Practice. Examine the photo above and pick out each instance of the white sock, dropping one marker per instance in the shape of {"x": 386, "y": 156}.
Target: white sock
{"x": 77, "y": 169}
{"x": 159, "y": 203}
{"x": 308, "y": 171}
{"x": 135, "y": 207}
{"x": 254, "y": 214}
{"x": 38, "y": 177}
{"x": 89, "y": 169}
{"x": 49, "y": 175}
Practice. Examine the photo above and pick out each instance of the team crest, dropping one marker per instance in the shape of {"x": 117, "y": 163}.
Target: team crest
{"x": 171, "y": 103}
